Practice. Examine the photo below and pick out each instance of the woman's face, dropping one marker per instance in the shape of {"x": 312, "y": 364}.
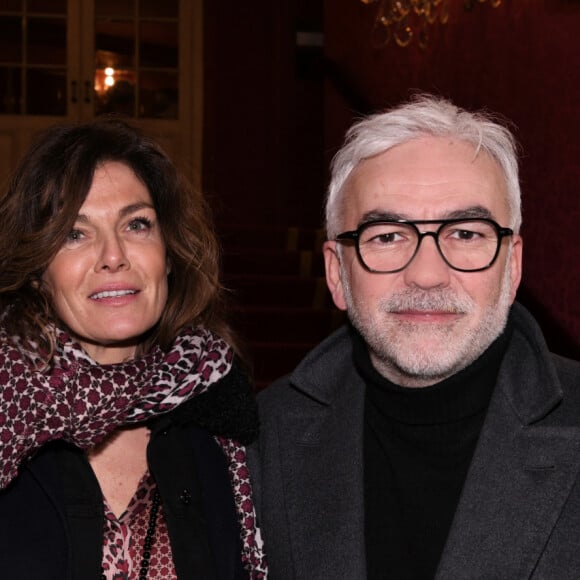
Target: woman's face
{"x": 109, "y": 279}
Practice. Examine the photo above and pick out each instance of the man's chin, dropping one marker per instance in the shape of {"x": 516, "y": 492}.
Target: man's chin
{"x": 431, "y": 365}
{"x": 425, "y": 340}
{"x": 427, "y": 359}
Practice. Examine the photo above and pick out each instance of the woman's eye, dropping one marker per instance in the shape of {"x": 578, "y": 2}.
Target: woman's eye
{"x": 74, "y": 236}
{"x": 139, "y": 224}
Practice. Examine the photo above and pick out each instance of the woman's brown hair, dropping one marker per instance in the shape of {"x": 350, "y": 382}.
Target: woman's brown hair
{"x": 42, "y": 202}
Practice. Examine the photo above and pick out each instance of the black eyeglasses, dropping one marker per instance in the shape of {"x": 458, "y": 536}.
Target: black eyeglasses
{"x": 465, "y": 244}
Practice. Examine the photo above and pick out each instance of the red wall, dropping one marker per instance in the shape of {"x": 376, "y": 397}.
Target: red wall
{"x": 521, "y": 60}
{"x": 275, "y": 113}
{"x": 263, "y": 146}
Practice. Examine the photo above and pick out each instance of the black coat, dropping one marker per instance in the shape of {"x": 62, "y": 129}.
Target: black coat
{"x": 518, "y": 517}
{"x": 51, "y": 515}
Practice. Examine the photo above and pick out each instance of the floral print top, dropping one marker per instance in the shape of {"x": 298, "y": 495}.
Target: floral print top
{"x": 124, "y": 538}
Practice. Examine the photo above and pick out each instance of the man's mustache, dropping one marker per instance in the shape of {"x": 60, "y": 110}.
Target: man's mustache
{"x": 438, "y": 300}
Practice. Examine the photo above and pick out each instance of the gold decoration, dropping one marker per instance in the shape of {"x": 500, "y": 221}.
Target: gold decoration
{"x": 402, "y": 20}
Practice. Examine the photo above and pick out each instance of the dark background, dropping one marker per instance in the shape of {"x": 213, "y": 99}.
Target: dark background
{"x": 275, "y": 110}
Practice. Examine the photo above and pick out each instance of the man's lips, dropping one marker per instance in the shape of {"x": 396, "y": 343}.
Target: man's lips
{"x": 428, "y": 315}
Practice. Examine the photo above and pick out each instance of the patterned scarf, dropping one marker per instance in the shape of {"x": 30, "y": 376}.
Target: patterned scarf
{"x": 82, "y": 402}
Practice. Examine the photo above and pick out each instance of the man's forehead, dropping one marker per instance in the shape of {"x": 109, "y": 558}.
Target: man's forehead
{"x": 424, "y": 161}
{"x": 427, "y": 179}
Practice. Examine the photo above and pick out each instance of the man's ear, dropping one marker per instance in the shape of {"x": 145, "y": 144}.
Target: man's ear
{"x": 516, "y": 265}
{"x": 334, "y": 273}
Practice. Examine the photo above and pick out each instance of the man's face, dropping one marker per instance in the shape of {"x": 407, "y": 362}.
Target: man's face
{"x": 428, "y": 321}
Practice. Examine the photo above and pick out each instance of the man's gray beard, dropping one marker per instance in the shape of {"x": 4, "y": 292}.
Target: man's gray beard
{"x": 391, "y": 347}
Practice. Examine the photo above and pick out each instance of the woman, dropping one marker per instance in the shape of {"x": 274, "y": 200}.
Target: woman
{"x": 123, "y": 411}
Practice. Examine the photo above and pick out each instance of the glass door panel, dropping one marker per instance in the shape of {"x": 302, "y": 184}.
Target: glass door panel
{"x": 11, "y": 5}
{"x": 33, "y": 57}
{"x": 10, "y": 39}
{"x": 47, "y": 6}
{"x": 115, "y": 43}
{"x": 115, "y": 8}
{"x": 158, "y": 95}
{"x": 158, "y": 45}
{"x": 10, "y": 90}
{"x": 157, "y": 9}
{"x": 46, "y": 41}
{"x": 46, "y": 91}
{"x": 137, "y": 58}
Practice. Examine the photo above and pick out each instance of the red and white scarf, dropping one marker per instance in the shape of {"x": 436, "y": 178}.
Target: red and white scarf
{"x": 82, "y": 402}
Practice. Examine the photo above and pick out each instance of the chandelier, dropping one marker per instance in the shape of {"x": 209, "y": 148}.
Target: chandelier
{"x": 402, "y": 20}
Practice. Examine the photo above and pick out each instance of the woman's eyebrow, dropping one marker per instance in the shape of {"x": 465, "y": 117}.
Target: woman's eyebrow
{"x": 81, "y": 217}
{"x": 134, "y": 207}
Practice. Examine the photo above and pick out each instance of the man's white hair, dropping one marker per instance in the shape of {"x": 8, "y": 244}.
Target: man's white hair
{"x": 424, "y": 115}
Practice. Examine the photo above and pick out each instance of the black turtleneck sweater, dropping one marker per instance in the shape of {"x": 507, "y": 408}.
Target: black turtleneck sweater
{"x": 418, "y": 444}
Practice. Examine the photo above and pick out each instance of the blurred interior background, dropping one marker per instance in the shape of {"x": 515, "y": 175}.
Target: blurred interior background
{"x": 252, "y": 99}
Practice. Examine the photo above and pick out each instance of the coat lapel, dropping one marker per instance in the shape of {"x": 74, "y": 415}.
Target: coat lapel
{"x": 516, "y": 488}
{"x": 321, "y": 456}
{"x": 522, "y": 473}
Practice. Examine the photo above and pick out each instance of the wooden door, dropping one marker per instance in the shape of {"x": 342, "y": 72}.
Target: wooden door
{"x": 71, "y": 60}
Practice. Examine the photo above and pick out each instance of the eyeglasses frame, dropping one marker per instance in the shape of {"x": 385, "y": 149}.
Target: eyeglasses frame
{"x": 354, "y": 236}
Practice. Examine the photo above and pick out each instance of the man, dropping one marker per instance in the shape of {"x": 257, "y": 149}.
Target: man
{"x": 435, "y": 436}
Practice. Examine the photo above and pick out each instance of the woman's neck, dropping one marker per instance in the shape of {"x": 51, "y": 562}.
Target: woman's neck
{"x": 119, "y": 464}
{"x": 106, "y": 354}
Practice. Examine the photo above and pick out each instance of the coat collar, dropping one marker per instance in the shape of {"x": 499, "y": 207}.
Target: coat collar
{"x": 324, "y": 367}
{"x": 533, "y": 391}
{"x": 524, "y": 468}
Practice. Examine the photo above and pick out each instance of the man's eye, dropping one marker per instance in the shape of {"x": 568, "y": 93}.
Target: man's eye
{"x": 466, "y": 235}
{"x": 386, "y": 238}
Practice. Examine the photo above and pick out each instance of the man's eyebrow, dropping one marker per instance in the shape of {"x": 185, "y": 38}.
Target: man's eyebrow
{"x": 382, "y": 216}
{"x": 475, "y": 211}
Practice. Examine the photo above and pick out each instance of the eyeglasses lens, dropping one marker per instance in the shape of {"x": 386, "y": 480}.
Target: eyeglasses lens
{"x": 390, "y": 246}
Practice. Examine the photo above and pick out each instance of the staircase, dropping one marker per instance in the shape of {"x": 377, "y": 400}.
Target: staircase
{"x": 280, "y": 305}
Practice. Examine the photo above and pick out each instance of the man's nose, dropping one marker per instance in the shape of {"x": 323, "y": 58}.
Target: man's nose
{"x": 427, "y": 269}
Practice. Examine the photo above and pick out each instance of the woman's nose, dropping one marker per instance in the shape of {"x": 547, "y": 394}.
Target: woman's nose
{"x": 112, "y": 255}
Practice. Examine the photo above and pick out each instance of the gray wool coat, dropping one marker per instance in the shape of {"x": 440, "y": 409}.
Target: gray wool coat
{"x": 518, "y": 516}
